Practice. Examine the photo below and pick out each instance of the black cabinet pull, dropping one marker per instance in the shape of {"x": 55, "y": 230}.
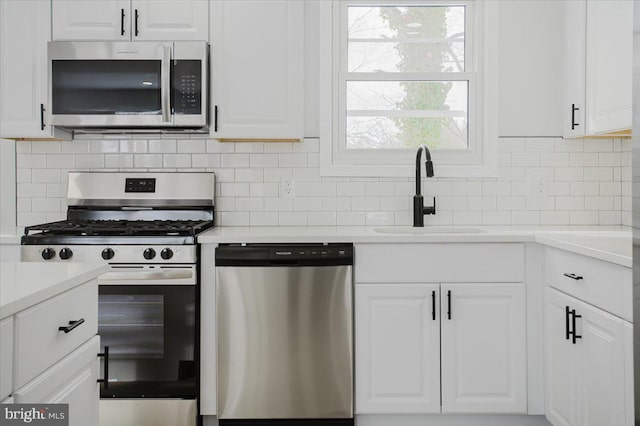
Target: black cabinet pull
{"x": 433, "y": 305}
{"x": 573, "y": 325}
{"x": 215, "y": 118}
{"x": 567, "y": 313}
{"x": 121, "y": 22}
{"x": 136, "y": 22}
{"x": 72, "y": 325}
{"x": 449, "y": 304}
{"x": 573, "y": 116}
{"x": 41, "y": 116}
{"x": 573, "y": 276}
{"x": 105, "y": 355}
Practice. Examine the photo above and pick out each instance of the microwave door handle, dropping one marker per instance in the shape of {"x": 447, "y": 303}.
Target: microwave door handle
{"x": 165, "y": 87}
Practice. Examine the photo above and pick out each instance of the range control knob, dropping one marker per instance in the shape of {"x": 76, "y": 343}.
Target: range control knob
{"x": 149, "y": 253}
{"x": 166, "y": 253}
{"x": 66, "y": 253}
{"x": 48, "y": 253}
{"x": 108, "y": 253}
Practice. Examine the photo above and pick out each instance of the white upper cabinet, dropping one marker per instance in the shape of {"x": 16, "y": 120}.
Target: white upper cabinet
{"x": 170, "y": 20}
{"x": 25, "y": 28}
{"x": 257, "y": 69}
{"x": 124, "y": 20}
{"x": 598, "y": 60}
{"x": 483, "y": 348}
{"x": 91, "y": 20}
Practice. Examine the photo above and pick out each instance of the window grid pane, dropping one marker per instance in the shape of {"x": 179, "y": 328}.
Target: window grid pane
{"x": 384, "y": 113}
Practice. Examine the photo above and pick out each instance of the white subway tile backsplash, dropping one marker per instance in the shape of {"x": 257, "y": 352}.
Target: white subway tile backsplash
{"x": 583, "y": 218}
{"x": 133, "y": 146}
{"x": 192, "y": 146}
{"x": 292, "y": 219}
{"x": 351, "y": 218}
{"x": 263, "y": 160}
{"x": 147, "y": 160}
{"x": 525, "y": 218}
{"x": 104, "y": 146}
{"x": 263, "y": 218}
{"x": 45, "y": 175}
{"x": 583, "y": 159}
{"x": 322, "y": 218}
{"x": 234, "y": 160}
{"x": 547, "y": 181}
{"x": 47, "y": 147}
{"x": 292, "y": 160}
{"x": 162, "y": 146}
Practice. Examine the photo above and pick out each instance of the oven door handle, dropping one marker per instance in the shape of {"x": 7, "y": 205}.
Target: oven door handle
{"x": 172, "y": 274}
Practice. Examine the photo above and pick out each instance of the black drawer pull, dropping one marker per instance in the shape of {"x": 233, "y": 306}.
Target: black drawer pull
{"x": 573, "y": 322}
{"x": 41, "y": 116}
{"x": 105, "y": 355}
{"x": 449, "y": 304}
{"x": 433, "y": 305}
{"x": 573, "y": 116}
{"x": 567, "y": 313}
{"x": 72, "y": 325}
{"x": 573, "y": 276}
{"x": 121, "y": 22}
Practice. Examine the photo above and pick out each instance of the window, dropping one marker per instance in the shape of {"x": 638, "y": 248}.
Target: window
{"x": 404, "y": 74}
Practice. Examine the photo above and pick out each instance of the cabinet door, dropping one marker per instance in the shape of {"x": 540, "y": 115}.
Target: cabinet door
{"x": 170, "y": 20}
{"x": 91, "y": 20}
{"x": 6, "y": 357}
{"x": 72, "y": 381}
{"x": 608, "y": 69}
{"x": 573, "y": 107}
{"x": 561, "y": 361}
{"x": 397, "y": 348}
{"x": 483, "y": 348}
{"x": 24, "y": 32}
{"x": 602, "y": 374}
{"x": 257, "y": 69}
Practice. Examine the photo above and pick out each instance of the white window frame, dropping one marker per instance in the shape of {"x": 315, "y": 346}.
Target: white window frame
{"x": 480, "y": 71}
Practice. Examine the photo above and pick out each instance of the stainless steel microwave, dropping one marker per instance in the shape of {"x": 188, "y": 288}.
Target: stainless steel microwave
{"x": 128, "y": 85}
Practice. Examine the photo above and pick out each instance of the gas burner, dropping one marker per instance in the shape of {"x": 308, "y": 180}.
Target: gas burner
{"x": 108, "y": 228}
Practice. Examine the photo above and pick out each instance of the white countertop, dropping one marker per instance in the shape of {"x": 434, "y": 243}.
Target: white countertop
{"x": 9, "y": 239}
{"x": 609, "y": 243}
{"x": 25, "y": 284}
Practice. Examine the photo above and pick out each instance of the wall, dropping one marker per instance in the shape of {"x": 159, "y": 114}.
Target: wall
{"x": 548, "y": 181}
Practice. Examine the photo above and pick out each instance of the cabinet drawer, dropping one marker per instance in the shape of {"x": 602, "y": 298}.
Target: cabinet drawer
{"x": 602, "y": 284}
{"x": 6, "y": 356}
{"x": 40, "y": 344}
{"x": 434, "y": 263}
{"x": 71, "y": 381}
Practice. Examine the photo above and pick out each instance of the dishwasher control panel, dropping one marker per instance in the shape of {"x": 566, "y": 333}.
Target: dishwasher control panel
{"x": 280, "y": 254}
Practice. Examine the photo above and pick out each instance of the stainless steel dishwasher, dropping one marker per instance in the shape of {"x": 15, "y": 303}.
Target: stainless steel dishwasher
{"x": 284, "y": 334}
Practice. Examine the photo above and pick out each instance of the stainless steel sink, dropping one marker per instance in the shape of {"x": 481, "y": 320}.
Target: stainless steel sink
{"x": 428, "y": 230}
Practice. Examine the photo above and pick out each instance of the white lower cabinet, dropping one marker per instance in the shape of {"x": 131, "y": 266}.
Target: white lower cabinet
{"x": 397, "y": 348}
{"x": 483, "y": 348}
{"x": 585, "y": 364}
{"x": 418, "y": 343}
{"x": 73, "y": 381}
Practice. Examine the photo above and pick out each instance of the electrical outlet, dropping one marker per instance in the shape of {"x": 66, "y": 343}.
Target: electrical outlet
{"x": 288, "y": 188}
{"x": 539, "y": 187}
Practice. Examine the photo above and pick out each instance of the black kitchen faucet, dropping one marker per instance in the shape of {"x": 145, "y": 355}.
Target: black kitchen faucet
{"x": 419, "y": 210}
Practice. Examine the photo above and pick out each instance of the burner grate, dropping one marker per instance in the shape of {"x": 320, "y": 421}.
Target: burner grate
{"x": 99, "y": 228}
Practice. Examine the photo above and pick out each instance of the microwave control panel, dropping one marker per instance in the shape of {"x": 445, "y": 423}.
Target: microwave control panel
{"x": 187, "y": 87}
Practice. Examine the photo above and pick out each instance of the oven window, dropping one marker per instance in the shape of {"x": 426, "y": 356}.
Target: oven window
{"x": 97, "y": 87}
{"x": 150, "y": 331}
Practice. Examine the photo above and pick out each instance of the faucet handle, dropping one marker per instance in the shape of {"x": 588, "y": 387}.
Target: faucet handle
{"x": 431, "y": 209}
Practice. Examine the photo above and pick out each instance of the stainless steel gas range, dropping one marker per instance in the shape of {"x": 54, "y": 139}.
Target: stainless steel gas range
{"x": 145, "y": 225}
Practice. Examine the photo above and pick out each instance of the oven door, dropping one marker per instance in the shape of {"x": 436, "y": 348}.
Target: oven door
{"x": 127, "y": 85}
{"x": 147, "y": 320}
